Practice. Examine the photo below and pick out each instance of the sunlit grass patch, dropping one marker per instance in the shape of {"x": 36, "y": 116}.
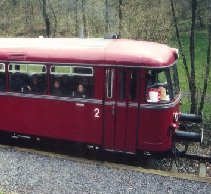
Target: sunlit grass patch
{"x": 201, "y": 42}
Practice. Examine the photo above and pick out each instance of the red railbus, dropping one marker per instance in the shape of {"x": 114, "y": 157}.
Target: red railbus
{"x": 121, "y": 95}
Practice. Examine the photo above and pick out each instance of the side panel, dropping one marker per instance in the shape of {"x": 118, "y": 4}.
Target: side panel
{"x": 154, "y": 132}
{"x": 132, "y": 127}
{"x": 125, "y": 131}
{"x": 76, "y": 121}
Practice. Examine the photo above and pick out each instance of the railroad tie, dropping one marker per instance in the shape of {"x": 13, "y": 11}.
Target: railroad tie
{"x": 202, "y": 169}
{"x": 174, "y": 167}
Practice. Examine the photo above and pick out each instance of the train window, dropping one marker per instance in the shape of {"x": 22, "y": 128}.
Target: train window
{"x": 158, "y": 86}
{"x": 122, "y": 82}
{"x": 72, "y": 70}
{"x": 36, "y": 69}
{"x": 2, "y": 67}
{"x": 174, "y": 80}
{"x": 109, "y": 82}
{"x": 20, "y": 68}
{"x": 2, "y": 77}
{"x": 74, "y": 81}
{"x": 133, "y": 85}
{"x": 37, "y": 78}
{"x": 86, "y": 71}
{"x": 61, "y": 70}
{"x": 27, "y": 78}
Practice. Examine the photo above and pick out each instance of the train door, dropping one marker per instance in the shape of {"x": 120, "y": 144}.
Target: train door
{"x": 121, "y": 109}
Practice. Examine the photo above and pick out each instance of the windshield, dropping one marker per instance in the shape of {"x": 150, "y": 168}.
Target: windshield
{"x": 162, "y": 85}
{"x": 174, "y": 80}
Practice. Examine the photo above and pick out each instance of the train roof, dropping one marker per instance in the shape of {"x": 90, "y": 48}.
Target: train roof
{"x": 90, "y": 51}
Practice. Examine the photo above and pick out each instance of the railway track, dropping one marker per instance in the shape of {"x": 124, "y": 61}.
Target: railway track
{"x": 174, "y": 172}
{"x": 205, "y": 158}
{"x": 201, "y": 167}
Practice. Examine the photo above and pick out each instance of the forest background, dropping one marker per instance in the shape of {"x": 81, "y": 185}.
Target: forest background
{"x": 184, "y": 24}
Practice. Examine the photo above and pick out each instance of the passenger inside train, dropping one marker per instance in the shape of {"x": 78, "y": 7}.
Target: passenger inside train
{"x": 56, "y": 90}
{"x": 157, "y": 90}
{"x": 36, "y": 85}
{"x": 80, "y": 92}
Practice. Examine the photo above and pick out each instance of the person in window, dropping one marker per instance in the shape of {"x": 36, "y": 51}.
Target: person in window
{"x": 80, "y": 92}
{"x": 17, "y": 83}
{"x": 34, "y": 86}
{"x": 56, "y": 91}
{"x": 163, "y": 94}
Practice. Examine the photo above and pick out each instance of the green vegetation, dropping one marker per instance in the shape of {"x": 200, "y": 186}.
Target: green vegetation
{"x": 1, "y": 192}
{"x": 201, "y": 55}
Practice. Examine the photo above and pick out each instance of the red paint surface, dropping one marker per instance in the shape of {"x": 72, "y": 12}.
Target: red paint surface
{"x": 127, "y": 129}
{"x": 154, "y": 131}
{"x": 51, "y": 118}
{"x": 97, "y": 51}
{"x": 120, "y": 119}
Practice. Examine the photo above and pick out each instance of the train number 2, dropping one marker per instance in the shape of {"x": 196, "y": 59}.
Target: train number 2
{"x": 97, "y": 112}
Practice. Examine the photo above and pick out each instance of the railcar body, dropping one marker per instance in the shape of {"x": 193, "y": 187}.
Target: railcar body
{"x": 130, "y": 98}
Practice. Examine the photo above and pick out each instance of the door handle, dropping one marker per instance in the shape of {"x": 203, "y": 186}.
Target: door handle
{"x": 113, "y": 110}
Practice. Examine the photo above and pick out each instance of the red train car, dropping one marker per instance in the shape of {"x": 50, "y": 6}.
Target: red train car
{"x": 121, "y": 95}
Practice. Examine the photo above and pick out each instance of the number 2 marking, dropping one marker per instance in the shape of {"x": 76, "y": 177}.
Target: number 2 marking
{"x": 97, "y": 112}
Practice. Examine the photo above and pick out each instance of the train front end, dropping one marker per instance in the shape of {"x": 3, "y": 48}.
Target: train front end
{"x": 160, "y": 117}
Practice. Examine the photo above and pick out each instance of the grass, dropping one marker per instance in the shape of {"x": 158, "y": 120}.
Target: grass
{"x": 200, "y": 63}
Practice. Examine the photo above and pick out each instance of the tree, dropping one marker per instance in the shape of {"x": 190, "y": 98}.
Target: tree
{"x": 192, "y": 84}
{"x": 45, "y": 17}
{"x": 106, "y": 16}
{"x": 76, "y": 18}
{"x": 120, "y": 17}
{"x": 84, "y": 18}
{"x": 55, "y": 19}
{"x": 191, "y": 70}
{"x": 208, "y": 63}
{"x": 146, "y": 20}
{"x": 190, "y": 75}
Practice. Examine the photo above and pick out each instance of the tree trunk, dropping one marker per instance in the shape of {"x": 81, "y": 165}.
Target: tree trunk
{"x": 84, "y": 19}
{"x": 106, "y": 16}
{"x": 190, "y": 75}
{"x": 45, "y": 17}
{"x": 179, "y": 41}
{"x": 55, "y": 19}
{"x": 29, "y": 16}
{"x": 193, "y": 108}
{"x": 200, "y": 19}
{"x": 207, "y": 70}
{"x": 120, "y": 18}
{"x": 76, "y": 19}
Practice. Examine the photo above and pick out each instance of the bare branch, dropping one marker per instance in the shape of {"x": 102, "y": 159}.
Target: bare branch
{"x": 179, "y": 40}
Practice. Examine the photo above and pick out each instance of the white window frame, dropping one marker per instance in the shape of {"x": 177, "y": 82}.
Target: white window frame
{"x": 71, "y": 72}
{"x": 2, "y": 70}
{"x": 111, "y": 82}
{"x": 26, "y": 68}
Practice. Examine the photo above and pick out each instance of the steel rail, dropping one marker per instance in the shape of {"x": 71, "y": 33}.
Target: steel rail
{"x": 206, "y": 158}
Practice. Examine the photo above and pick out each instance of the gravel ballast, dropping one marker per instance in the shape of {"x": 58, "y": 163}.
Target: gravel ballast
{"x": 24, "y": 172}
